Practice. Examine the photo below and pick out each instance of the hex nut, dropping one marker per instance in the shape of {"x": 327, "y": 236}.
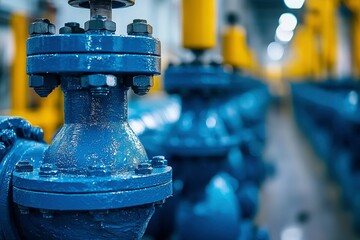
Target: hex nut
{"x": 23, "y": 210}
{"x": 99, "y": 170}
{"x": 140, "y": 84}
{"x": 42, "y": 26}
{"x": 49, "y": 81}
{"x": 143, "y": 81}
{"x": 37, "y": 134}
{"x": 159, "y": 162}
{"x": 43, "y": 85}
{"x": 143, "y": 168}
{"x": 71, "y": 28}
{"x": 23, "y": 166}
{"x": 25, "y": 129}
{"x": 99, "y": 215}
{"x": 47, "y": 214}
{"x": 98, "y": 80}
{"x": 139, "y": 27}
{"x": 100, "y": 25}
{"x": 47, "y": 170}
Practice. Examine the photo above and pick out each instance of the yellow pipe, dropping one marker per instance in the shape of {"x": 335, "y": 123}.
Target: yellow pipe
{"x": 18, "y": 82}
{"x": 305, "y": 56}
{"x": 322, "y": 18}
{"x": 329, "y": 37}
{"x": 234, "y": 48}
{"x": 198, "y": 23}
{"x": 354, "y": 5}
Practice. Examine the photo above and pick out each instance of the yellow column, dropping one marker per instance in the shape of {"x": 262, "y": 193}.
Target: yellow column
{"x": 329, "y": 39}
{"x": 18, "y": 79}
{"x": 198, "y": 23}
{"x": 234, "y": 48}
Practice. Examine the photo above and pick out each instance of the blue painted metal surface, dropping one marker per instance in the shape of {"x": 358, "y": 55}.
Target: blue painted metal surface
{"x": 94, "y": 180}
{"x": 328, "y": 113}
{"x": 250, "y": 97}
{"x": 213, "y": 195}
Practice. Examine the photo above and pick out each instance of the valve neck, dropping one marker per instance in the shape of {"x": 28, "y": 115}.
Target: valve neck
{"x": 82, "y": 107}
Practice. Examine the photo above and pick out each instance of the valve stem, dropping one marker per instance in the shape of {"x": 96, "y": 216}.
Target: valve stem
{"x": 101, "y": 8}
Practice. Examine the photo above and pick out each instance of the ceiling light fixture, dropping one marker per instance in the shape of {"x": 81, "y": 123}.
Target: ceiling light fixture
{"x": 294, "y": 4}
{"x": 275, "y": 51}
{"x": 287, "y": 22}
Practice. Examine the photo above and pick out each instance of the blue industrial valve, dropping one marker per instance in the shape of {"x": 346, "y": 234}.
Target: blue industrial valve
{"x": 250, "y": 97}
{"x": 212, "y": 199}
{"x": 94, "y": 181}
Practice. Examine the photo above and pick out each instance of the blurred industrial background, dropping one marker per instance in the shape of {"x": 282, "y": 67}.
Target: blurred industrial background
{"x": 256, "y": 110}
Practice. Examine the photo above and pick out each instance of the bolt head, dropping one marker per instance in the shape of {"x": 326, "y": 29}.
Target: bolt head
{"x": 99, "y": 215}
{"x": 46, "y": 213}
{"x": 23, "y": 210}
{"x": 37, "y": 134}
{"x": 47, "y": 170}
{"x": 99, "y": 84}
{"x": 41, "y": 26}
{"x": 24, "y": 166}
{"x": 144, "y": 168}
{"x": 43, "y": 85}
{"x": 72, "y": 24}
{"x": 25, "y": 129}
{"x": 71, "y": 28}
{"x": 98, "y": 80}
{"x": 159, "y": 162}
{"x": 99, "y": 170}
{"x": 100, "y": 25}
{"x": 140, "y": 84}
{"x": 139, "y": 27}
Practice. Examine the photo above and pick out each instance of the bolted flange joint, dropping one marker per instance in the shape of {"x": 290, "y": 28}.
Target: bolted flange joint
{"x": 71, "y": 28}
{"x": 144, "y": 168}
{"x": 41, "y": 27}
{"x": 139, "y": 27}
{"x": 99, "y": 84}
{"x": 43, "y": 85}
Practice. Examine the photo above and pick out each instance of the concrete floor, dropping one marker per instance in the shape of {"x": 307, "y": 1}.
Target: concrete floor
{"x": 300, "y": 202}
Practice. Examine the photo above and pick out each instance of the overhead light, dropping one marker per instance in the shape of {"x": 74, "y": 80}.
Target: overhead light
{"x": 294, "y": 4}
{"x": 283, "y": 36}
{"x": 275, "y": 51}
{"x": 287, "y": 22}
